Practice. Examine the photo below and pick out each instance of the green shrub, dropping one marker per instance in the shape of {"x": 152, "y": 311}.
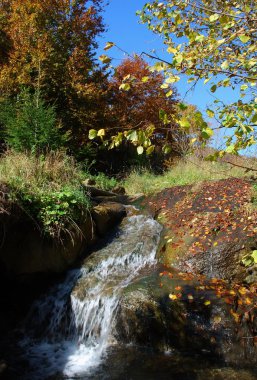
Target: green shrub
{"x": 30, "y": 125}
{"x": 48, "y": 188}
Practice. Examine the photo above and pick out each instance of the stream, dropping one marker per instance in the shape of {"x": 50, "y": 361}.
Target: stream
{"x": 68, "y": 331}
{"x": 109, "y": 319}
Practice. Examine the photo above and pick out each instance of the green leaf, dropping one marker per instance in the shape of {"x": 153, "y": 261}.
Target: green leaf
{"x": 210, "y": 113}
{"x": 125, "y": 86}
{"x": 179, "y": 58}
{"x": 207, "y": 80}
{"x": 214, "y": 17}
{"x": 183, "y": 106}
{"x": 207, "y": 133}
{"x": 254, "y": 119}
{"x": 140, "y": 150}
{"x": 199, "y": 38}
{"x": 230, "y": 149}
{"x": 166, "y": 149}
{"x": 172, "y": 79}
{"x": 213, "y": 88}
{"x": 169, "y": 93}
{"x": 163, "y": 117}
{"x": 150, "y": 150}
{"x": 247, "y": 261}
{"x": 244, "y": 87}
{"x": 101, "y": 132}
{"x": 92, "y": 134}
{"x": 243, "y": 38}
{"x": 225, "y": 65}
{"x": 158, "y": 66}
{"x": 132, "y": 136}
{"x": 184, "y": 123}
{"x": 254, "y": 256}
{"x": 145, "y": 79}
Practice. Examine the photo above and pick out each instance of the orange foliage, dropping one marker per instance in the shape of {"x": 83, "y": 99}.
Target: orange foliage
{"x": 140, "y": 106}
{"x": 51, "y": 48}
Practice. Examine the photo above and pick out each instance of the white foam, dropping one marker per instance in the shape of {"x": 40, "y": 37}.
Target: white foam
{"x": 79, "y": 324}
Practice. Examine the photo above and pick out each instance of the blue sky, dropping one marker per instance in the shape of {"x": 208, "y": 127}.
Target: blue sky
{"x": 125, "y": 31}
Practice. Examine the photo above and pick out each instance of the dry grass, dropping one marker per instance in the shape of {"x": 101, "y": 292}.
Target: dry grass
{"x": 190, "y": 171}
{"x": 53, "y": 171}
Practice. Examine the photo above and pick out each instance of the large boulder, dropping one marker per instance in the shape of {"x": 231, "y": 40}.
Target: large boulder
{"x": 25, "y": 250}
{"x": 146, "y": 316}
{"x": 107, "y": 215}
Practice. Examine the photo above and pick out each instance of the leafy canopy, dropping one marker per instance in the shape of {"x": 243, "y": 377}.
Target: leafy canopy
{"x": 214, "y": 41}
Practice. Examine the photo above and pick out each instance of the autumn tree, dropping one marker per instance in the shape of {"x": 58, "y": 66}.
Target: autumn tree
{"x": 213, "y": 41}
{"x": 49, "y": 47}
{"x": 140, "y": 105}
{"x": 142, "y": 108}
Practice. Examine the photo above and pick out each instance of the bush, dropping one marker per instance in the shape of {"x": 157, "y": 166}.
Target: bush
{"x": 30, "y": 125}
{"x": 48, "y": 188}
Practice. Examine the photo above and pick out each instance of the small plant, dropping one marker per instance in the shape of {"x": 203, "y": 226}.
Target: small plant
{"x": 250, "y": 259}
{"x": 104, "y": 182}
{"x": 61, "y": 211}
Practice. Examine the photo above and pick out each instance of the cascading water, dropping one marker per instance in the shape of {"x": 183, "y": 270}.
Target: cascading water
{"x": 70, "y": 328}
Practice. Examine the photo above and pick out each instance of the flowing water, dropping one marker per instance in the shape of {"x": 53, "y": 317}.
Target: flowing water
{"x": 69, "y": 330}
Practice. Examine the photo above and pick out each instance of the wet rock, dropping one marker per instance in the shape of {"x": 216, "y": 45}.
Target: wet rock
{"x": 26, "y": 251}
{"x": 89, "y": 182}
{"x": 114, "y": 198}
{"x": 107, "y": 215}
{"x": 95, "y": 191}
{"x": 222, "y": 261}
{"x": 147, "y": 317}
{"x": 119, "y": 190}
{"x": 137, "y": 198}
{"x": 3, "y": 367}
{"x": 130, "y": 362}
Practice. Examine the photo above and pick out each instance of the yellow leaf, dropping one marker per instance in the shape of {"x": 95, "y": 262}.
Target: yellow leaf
{"x": 109, "y": 45}
{"x": 242, "y": 290}
{"x": 101, "y": 132}
{"x": 248, "y": 301}
{"x": 145, "y": 79}
{"x": 104, "y": 58}
{"x": 217, "y": 319}
{"x": 171, "y": 50}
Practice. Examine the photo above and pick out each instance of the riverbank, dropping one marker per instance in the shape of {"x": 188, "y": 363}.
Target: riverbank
{"x": 198, "y": 301}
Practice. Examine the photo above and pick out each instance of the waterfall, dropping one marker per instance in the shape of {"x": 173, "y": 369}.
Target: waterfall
{"x": 69, "y": 330}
